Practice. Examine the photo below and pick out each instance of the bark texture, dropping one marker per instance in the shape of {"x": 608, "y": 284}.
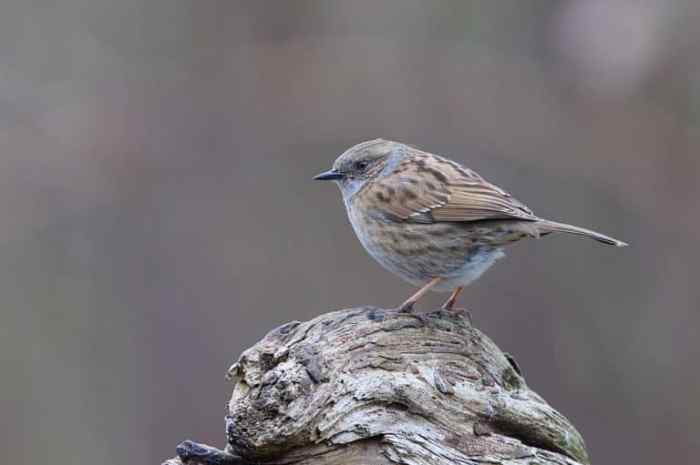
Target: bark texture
{"x": 369, "y": 386}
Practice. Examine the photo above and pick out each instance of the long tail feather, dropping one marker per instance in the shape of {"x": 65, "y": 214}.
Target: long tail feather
{"x": 546, "y": 226}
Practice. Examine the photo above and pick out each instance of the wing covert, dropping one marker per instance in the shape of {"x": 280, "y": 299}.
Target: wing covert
{"x": 427, "y": 188}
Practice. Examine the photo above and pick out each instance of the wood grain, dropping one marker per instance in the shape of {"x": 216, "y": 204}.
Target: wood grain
{"x": 372, "y": 386}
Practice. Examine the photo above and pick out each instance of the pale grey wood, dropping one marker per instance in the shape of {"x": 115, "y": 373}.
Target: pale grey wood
{"x": 373, "y": 387}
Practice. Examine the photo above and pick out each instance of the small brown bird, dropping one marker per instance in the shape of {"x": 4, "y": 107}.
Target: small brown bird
{"x": 431, "y": 221}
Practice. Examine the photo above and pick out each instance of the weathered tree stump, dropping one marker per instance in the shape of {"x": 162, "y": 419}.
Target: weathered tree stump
{"x": 371, "y": 386}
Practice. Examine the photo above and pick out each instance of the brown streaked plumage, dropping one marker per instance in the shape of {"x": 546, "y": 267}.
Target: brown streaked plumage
{"x": 431, "y": 221}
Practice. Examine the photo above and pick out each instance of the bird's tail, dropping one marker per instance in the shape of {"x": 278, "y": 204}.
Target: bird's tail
{"x": 546, "y": 227}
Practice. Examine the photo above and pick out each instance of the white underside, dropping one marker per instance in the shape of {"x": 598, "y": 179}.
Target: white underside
{"x": 470, "y": 271}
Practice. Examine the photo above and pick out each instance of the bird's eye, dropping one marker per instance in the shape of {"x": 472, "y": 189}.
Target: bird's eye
{"x": 361, "y": 165}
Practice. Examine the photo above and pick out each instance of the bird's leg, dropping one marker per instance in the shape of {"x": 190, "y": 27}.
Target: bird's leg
{"x": 450, "y": 303}
{"x": 407, "y": 307}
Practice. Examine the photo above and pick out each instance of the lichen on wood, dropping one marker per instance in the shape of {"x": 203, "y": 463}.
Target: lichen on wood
{"x": 373, "y": 386}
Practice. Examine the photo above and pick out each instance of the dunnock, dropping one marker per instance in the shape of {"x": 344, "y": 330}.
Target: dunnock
{"x": 431, "y": 221}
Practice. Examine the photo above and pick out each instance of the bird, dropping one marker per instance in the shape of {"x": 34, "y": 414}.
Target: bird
{"x": 433, "y": 222}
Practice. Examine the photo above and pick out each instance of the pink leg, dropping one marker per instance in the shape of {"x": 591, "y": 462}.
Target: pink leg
{"x": 407, "y": 307}
{"x": 450, "y": 303}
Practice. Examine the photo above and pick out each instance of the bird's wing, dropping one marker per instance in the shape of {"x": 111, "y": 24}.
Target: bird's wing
{"x": 426, "y": 188}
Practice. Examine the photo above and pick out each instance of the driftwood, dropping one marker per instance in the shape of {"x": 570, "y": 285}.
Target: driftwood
{"x": 369, "y": 386}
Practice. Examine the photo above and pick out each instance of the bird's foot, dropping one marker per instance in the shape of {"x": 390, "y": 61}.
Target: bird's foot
{"x": 406, "y": 307}
{"x": 424, "y": 318}
{"x": 459, "y": 311}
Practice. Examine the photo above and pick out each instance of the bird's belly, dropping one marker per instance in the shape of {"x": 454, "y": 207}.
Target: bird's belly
{"x": 420, "y": 252}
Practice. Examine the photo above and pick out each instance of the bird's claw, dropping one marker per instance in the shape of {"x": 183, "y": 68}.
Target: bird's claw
{"x": 405, "y": 308}
{"x": 460, "y": 311}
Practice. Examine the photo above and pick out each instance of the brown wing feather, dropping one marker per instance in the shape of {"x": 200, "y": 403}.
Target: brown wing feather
{"x": 427, "y": 188}
{"x": 481, "y": 201}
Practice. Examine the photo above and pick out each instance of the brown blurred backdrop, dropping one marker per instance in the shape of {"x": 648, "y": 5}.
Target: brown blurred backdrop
{"x": 158, "y": 215}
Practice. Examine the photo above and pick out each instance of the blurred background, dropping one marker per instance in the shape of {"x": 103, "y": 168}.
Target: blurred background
{"x": 158, "y": 213}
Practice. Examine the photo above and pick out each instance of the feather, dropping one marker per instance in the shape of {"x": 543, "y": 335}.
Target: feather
{"x": 428, "y": 188}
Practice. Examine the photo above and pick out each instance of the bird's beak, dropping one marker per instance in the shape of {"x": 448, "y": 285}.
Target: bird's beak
{"x": 330, "y": 175}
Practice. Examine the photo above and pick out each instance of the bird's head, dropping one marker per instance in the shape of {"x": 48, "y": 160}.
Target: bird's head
{"x": 363, "y": 163}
